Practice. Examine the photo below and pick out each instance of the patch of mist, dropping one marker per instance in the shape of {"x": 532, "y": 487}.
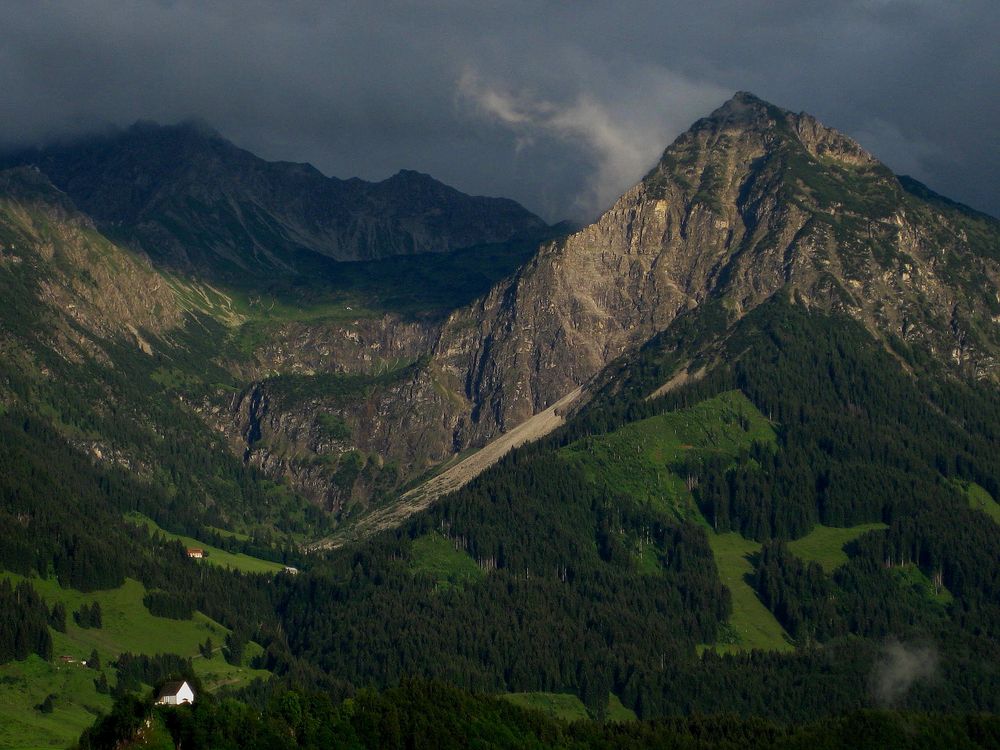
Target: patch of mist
{"x": 900, "y": 666}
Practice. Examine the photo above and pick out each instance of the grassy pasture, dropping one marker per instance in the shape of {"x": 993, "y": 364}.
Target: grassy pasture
{"x": 25, "y": 684}
{"x": 912, "y": 577}
{"x": 641, "y": 458}
{"x": 567, "y": 706}
{"x": 618, "y": 711}
{"x": 825, "y": 544}
{"x": 435, "y": 556}
{"x": 751, "y": 621}
{"x": 215, "y": 556}
{"x": 980, "y": 499}
{"x": 127, "y": 626}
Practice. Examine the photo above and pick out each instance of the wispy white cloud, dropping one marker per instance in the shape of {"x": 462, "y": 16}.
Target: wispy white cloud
{"x": 623, "y": 135}
{"x": 899, "y": 667}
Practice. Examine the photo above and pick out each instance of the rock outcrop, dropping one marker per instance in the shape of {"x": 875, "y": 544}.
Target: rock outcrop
{"x": 90, "y": 288}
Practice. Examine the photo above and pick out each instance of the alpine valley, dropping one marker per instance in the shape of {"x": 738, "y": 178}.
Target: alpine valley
{"x": 720, "y": 469}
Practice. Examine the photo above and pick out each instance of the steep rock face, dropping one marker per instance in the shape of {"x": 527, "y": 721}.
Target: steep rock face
{"x": 751, "y": 200}
{"x": 341, "y": 439}
{"x": 87, "y": 284}
{"x": 193, "y": 200}
{"x": 358, "y": 346}
{"x": 339, "y": 408}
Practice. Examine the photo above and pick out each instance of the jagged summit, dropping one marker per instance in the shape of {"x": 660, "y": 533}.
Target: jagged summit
{"x": 742, "y": 107}
{"x": 747, "y": 121}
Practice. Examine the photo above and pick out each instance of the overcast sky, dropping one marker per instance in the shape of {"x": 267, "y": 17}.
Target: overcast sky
{"x": 560, "y": 105}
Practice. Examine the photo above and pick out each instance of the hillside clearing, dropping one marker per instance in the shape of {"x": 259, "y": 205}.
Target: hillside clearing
{"x": 215, "y": 556}
{"x": 435, "y": 556}
{"x": 126, "y": 626}
{"x": 752, "y": 622}
{"x": 567, "y": 706}
{"x": 825, "y": 544}
{"x": 980, "y": 499}
{"x": 644, "y": 459}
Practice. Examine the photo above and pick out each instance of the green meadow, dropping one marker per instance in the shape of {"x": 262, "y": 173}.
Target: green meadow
{"x": 912, "y": 577}
{"x": 214, "y": 555}
{"x": 617, "y": 711}
{"x": 825, "y": 544}
{"x": 25, "y": 684}
{"x": 433, "y": 555}
{"x": 751, "y": 622}
{"x": 641, "y": 459}
{"x": 567, "y": 706}
{"x": 980, "y": 499}
{"x": 126, "y": 626}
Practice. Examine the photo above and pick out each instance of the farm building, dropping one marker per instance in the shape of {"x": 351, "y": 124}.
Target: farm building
{"x": 175, "y": 693}
{"x": 196, "y": 552}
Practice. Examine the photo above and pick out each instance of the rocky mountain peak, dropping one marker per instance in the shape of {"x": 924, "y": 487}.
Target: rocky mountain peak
{"x": 747, "y": 127}
{"x": 750, "y": 201}
{"x": 742, "y": 110}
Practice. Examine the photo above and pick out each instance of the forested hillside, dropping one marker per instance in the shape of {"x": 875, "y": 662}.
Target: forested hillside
{"x": 773, "y": 505}
{"x": 421, "y": 714}
{"x": 613, "y": 582}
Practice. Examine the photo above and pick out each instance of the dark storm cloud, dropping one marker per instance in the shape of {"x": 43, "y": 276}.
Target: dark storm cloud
{"x": 561, "y": 105}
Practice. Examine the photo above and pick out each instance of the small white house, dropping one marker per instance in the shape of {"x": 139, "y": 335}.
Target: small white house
{"x": 175, "y": 693}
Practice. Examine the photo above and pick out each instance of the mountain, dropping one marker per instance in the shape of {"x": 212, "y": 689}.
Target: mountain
{"x": 750, "y": 202}
{"x": 734, "y": 448}
{"x": 192, "y": 200}
{"x": 777, "y": 485}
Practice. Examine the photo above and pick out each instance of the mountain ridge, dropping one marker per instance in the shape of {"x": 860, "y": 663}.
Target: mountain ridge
{"x": 751, "y": 200}
{"x": 664, "y": 247}
{"x": 191, "y": 199}
{"x": 731, "y": 214}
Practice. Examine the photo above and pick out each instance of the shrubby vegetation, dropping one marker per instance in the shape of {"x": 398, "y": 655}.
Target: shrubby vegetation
{"x": 88, "y": 616}
{"x": 175, "y": 605}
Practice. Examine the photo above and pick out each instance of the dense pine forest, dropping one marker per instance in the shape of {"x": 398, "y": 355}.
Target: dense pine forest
{"x": 429, "y": 714}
